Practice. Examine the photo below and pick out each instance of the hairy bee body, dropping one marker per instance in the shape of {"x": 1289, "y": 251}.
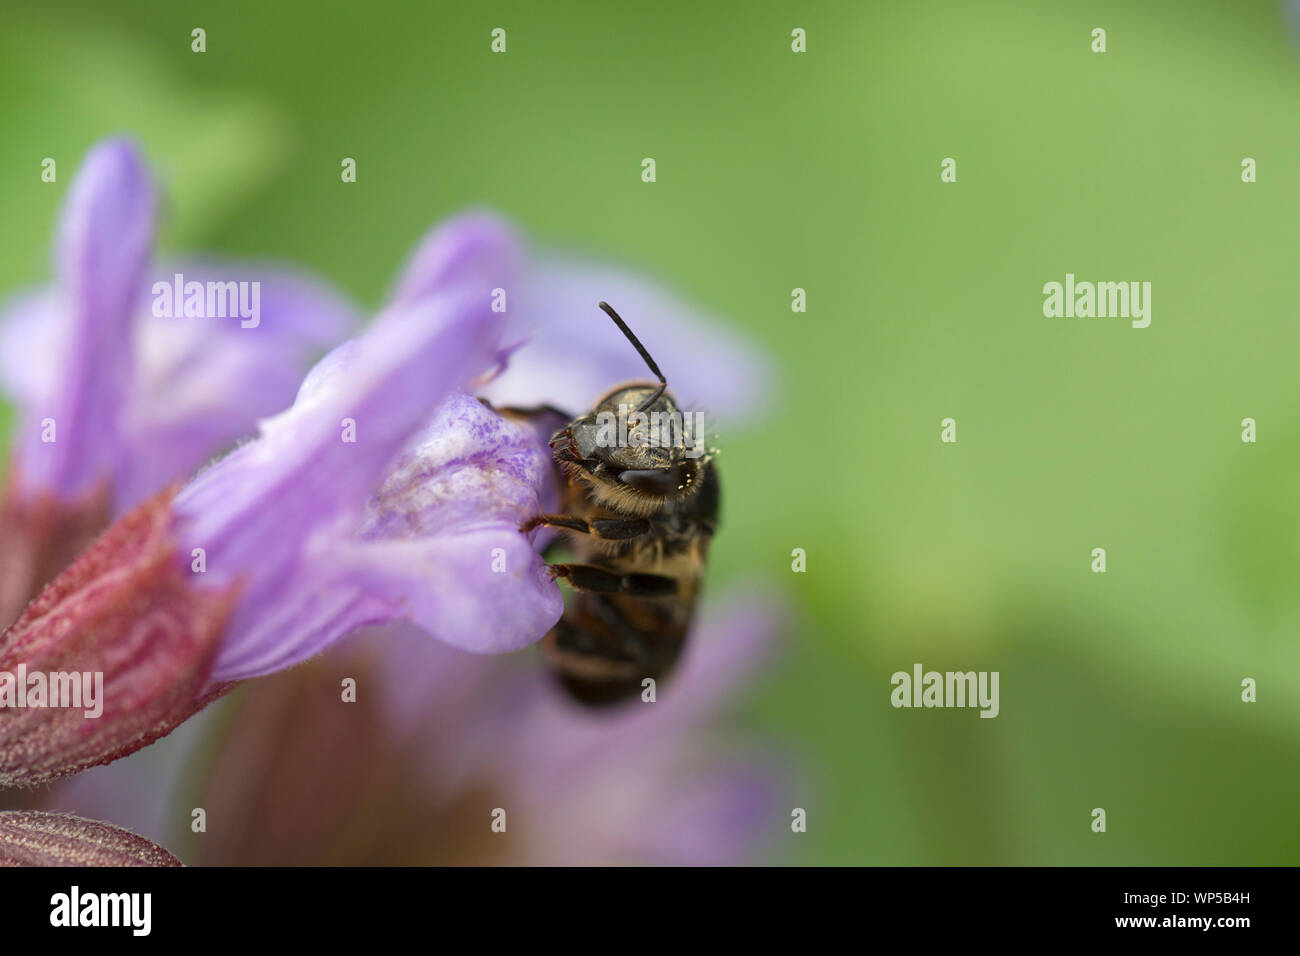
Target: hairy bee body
{"x": 640, "y": 506}
{"x": 608, "y": 643}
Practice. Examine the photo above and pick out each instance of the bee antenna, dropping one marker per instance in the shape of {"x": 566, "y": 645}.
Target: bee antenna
{"x": 636, "y": 344}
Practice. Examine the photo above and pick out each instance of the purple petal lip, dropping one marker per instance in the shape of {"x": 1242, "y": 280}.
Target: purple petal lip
{"x": 280, "y": 515}
{"x": 441, "y": 537}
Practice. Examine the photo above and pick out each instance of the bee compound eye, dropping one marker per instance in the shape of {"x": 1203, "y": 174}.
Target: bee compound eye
{"x": 652, "y": 481}
{"x": 586, "y": 438}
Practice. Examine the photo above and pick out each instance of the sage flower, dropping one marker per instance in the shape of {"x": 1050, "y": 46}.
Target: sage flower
{"x": 384, "y": 493}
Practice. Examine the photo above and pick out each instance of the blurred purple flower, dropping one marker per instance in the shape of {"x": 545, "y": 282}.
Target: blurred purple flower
{"x": 115, "y": 402}
{"x": 649, "y": 783}
{"x": 574, "y": 355}
{"x": 411, "y": 773}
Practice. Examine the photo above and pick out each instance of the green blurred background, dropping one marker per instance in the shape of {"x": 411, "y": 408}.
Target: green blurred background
{"x": 821, "y": 171}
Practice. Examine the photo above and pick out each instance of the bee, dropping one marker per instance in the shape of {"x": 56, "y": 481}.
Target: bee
{"x": 638, "y": 512}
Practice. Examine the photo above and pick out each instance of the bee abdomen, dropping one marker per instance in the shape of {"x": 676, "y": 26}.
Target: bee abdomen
{"x": 604, "y": 649}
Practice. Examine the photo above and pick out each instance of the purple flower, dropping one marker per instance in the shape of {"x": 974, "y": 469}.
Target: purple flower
{"x": 385, "y": 493}
{"x": 115, "y": 401}
{"x": 649, "y": 782}
{"x": 417, "y": 518}
{"x": 382, "y": 494}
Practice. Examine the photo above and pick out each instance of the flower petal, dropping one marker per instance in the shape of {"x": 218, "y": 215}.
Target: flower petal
{"x": 519, "y": 728}
{"x": 445, "y": 584}
{"x": 31, "y": 334}
{"x": 468, "y": 466}
{"x": 311, "y": 613}
{"x": 104, "y": 243}
{"x": 36, "y": 838}
{"x": 576, "y": 355}
{"x": 438, "y": 545}
{"x": 717, "y": 815}
{"x": 203, "y": 383}
{"x": 263, "y": 511}
{"x": 441, "y": 537}
{"x": 477, "y": 246}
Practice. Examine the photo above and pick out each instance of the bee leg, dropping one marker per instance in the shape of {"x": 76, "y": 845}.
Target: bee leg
{"x": 555, "y": 521}
{"x": 588, "y": 577}
{"x": 607, "y": 529}
{"x": 620, "y": 529}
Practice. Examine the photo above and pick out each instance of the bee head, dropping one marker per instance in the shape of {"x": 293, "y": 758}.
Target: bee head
{"x": 636, "y": 442}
